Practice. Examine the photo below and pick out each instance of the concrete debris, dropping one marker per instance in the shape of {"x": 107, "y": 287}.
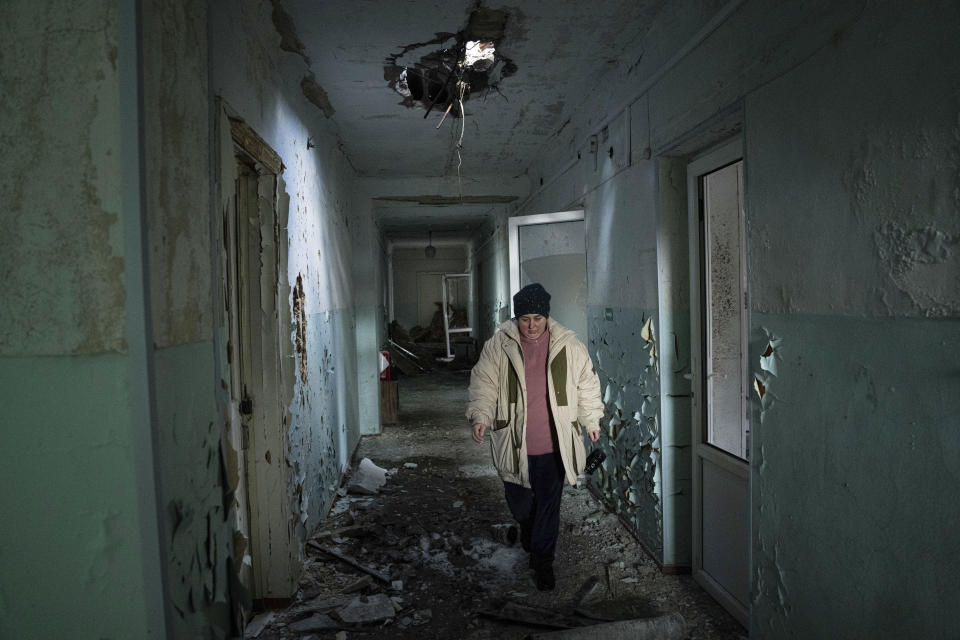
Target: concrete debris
{"x": 319, "y": 604}
{"x": 341, "y": 635}
{"x": 367, "y": 610}
{"x": 590, "y": 590}
{"x": 257, "y": 625}
{"x": 423, "y": 616}
{"x": 316, "y": 622}
{"x": 367, "y": 479}
{"x": 359, "y": 585}
{"x": 409, "y": 465}
{"x": 458, "y": 504}
{"x": 353, "y": 530}
{"x": 667, "y": 627}
{"x": 530, "y": 616}
{"x": 350, "y": 561}
{"x": 399, "y": 552}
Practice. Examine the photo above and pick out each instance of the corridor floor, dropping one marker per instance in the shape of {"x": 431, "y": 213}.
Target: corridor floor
{"x": 429, "y": 528}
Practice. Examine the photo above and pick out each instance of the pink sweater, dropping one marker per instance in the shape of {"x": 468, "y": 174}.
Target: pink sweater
{"x": 540, "y": 438}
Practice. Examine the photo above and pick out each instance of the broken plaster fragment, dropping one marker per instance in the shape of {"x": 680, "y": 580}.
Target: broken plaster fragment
{"x": 768, "y": 359}
{"x": 362, "y": 610}
{"x": 316, "y": 622}
{"x": 368, "y": 478}
{"x": 759, "y": 387}
{"x": 258, "y": 624}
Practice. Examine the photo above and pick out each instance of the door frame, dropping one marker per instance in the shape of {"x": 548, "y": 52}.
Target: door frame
{"x": 272, "y": 548}
{"x": 711, "y": 160}
{"x": 513, "y": 236}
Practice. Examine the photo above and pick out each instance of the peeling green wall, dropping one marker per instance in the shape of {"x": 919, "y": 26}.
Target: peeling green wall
{"x": 76, "y": 533}
{"x": 851, "y": 129}
{"x": 853, "y": 169}
{"x": 70, "y": 536}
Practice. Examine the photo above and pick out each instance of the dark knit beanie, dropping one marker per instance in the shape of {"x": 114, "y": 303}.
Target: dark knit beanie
{"x": 533, "y": 298}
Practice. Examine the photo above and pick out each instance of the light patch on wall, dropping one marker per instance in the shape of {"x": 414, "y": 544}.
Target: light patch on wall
{"x": 108, "y": 545}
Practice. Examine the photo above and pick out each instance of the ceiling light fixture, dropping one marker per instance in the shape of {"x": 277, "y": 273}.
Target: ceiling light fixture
{"x": 430, "y": 250}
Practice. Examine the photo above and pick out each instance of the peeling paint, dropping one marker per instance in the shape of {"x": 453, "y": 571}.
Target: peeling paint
{"x": 300, "y": 326}
{"x": 286, "y": 27}
{"x": 629, "y": 479}
{"x": 924, "y": 264}
{"x": 313, "y": 92}
{"x": 61, "y": 262}
{"x": 763, "y": 380}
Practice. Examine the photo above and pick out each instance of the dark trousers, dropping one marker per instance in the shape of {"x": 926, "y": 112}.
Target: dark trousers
{"x": 538, "y": 509}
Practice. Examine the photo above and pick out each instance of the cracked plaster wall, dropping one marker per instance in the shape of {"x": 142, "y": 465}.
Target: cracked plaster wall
{"x": 853, "y": 163}
{"x": 261, "y": 83}
{"x": 197, "y": 519}
{"x": 70, "y": 539}
{"x": 880, "y": 240}
{"x": 61, "y": 254}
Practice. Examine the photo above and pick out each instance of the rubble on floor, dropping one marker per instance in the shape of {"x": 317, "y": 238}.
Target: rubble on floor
{"x": 367, "y": 479}
{"x": 422, "y": 557}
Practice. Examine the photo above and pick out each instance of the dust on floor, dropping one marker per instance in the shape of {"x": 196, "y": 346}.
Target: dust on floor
{"x": 426, "y": 545}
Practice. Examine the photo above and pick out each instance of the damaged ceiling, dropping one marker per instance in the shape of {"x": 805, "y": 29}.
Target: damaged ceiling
{"x": 386, "y": 72}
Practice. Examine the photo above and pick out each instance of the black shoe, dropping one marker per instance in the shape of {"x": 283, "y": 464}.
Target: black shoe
{"x": 545, "y": 579}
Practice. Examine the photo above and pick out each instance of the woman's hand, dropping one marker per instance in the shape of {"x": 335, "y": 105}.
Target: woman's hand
{"x": 478, "y": 431}
{"x": 594, "y": 435}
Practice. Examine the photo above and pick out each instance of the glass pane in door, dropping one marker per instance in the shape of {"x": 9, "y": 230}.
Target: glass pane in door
{"x": 554, "y": 254}
{"x": 724, "y": 276}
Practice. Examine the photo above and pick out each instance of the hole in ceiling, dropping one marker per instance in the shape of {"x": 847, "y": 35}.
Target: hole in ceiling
{"x": 468, "y": 61}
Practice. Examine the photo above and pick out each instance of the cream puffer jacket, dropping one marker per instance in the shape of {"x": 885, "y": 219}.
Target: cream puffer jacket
{"x": 498, "y": 399}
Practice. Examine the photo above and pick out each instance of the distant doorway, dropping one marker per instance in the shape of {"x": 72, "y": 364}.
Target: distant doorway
{"x": 721, "y": 428}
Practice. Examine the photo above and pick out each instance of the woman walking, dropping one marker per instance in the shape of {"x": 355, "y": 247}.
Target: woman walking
{"x": 535, "y": 388}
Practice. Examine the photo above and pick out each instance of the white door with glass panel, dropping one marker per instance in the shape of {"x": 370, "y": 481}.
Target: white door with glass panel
{"x": 721, "y": 428}
{"x": 550, "y": 248}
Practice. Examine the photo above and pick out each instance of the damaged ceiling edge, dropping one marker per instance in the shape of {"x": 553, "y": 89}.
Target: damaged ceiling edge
{"x": 316, "y": 95}
{"x": 448, "y": 200}
{"x": 285, "y": 26}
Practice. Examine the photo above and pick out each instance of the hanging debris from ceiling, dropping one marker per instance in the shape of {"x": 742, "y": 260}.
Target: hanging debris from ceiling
{"x": 464, "y": 63}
